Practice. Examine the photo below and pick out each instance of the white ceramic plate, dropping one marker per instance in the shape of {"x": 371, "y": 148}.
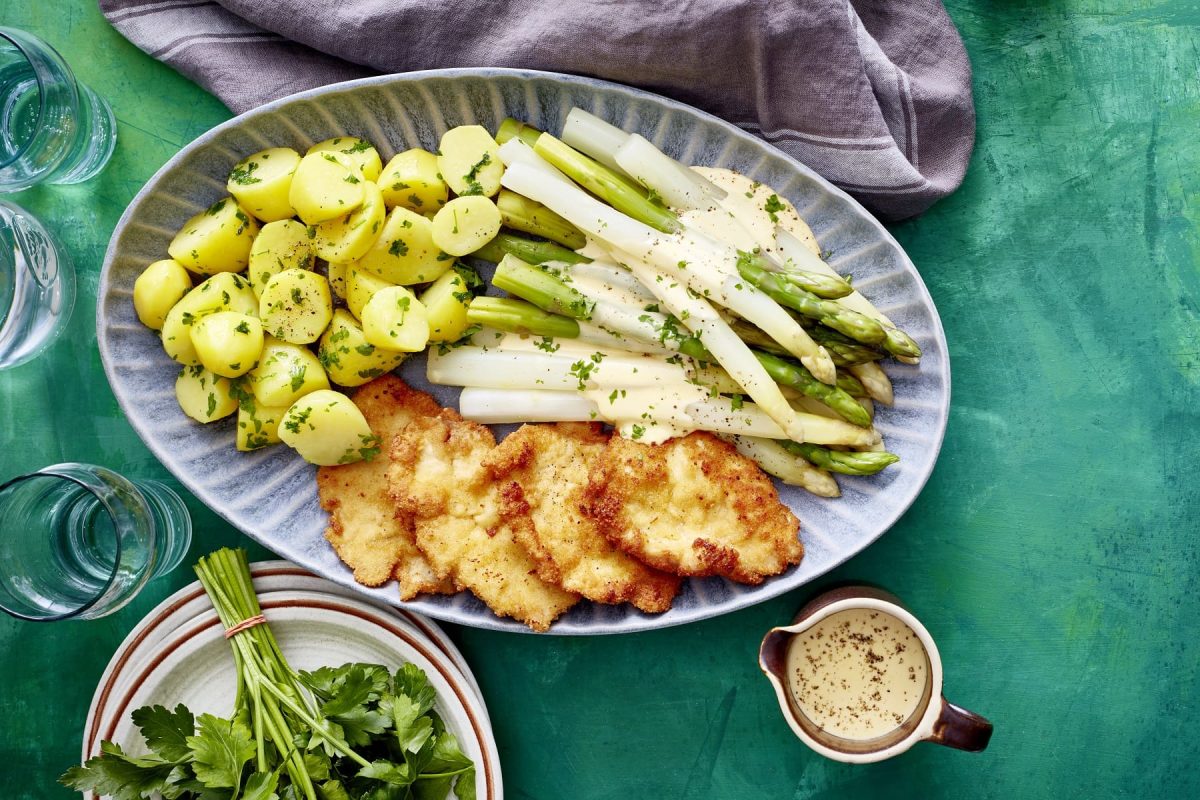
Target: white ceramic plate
{"x": 271, "y": 494}
{"x": 271, "y": 578}
{"x": 191, "y": 664}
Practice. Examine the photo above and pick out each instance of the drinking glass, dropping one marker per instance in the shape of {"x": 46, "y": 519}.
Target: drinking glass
{"x": 37, "y": 286}
{"x": 52, "y": 128}
{"x": 79, "y": 541}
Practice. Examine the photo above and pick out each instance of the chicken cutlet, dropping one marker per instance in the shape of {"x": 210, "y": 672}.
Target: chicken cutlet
{"x": 364, "y": 528}
{"x": 693, "y": 506}
{"x": 436, "y": 474}
{"x": 542, "y": 472}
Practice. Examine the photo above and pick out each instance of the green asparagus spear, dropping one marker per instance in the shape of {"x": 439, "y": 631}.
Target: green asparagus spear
{"x": 540, "y": 288}
{"x": 795, "y": 376}
{"x": 517, "y": 316}
{"x": 787, "y": 373}
{"x": 523, "y": 214}
{"x": 857, "y": 326}
{"x": 899, "y": 343}
{"x": 511, "y": 128}
{"x": 845, "y": 462}
{"x": 616, "y": 190}
{"x": 850, "y": 384}
{"x": 842, "y": 349}
{"x": 830, "y": 287}
{"x": 527, "y": 250}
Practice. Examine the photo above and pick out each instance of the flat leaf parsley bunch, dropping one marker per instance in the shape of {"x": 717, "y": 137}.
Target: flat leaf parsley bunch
{"x": 354, "y": 732}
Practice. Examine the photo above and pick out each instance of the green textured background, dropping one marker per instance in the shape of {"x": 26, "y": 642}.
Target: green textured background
{"x": 1053, "y": 554}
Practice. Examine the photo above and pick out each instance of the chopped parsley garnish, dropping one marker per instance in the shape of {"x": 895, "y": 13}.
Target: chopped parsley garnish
{"x": 637, "y": 431}
{"x": 582, "y": 370}
{"x": 243, "y": 174}
{"x": 358, "y": 147}
{"x": 548, "y": 344}
{"x": 298, "y": 378}
{"x": 773, "y": 206}
{"x": 398, "y": 248}
{"x": 471, "y": 178}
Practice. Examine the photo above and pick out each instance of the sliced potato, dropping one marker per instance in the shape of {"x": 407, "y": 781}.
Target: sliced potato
{"x": 360, "y": 152}
{"x": 446, "y": 304}
{"x": 326, "y": 428}
{"x": 336, "y": 274}
{"x": 396, "y": 320}
{"x": 405, "y": 253}
{"x": 348, "y": 358}
{"x": 360, "y": 286}
{"x": 280, "y": 245}
{"x": 224, "y": 291}
{"x": 203, "y": 396}
{"x": 469, "y": 161}
{"x": 465, "y": 224}
{"x": 257, "y": 425}
{"x": 160, "y": 286}
{"x": 261, "y": 183}
{"x": 326, "y": 186}
{"x": 348, "y": 238}
{"x": 295, "y": 306}
{"x": 285, "y": 373}
{"x": 217, "y": 239}
{"x": 228, "y": 343}
{"x": 412, "y": 180}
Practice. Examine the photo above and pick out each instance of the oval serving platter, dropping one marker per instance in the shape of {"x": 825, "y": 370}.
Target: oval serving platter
{"x": 271, "y": 494}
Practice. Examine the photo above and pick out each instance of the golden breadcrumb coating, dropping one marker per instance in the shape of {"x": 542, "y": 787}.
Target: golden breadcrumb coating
{"x": 543, "y": 471}
{"x": 436, "y": 475}
{"x": 693, "y": 506}
{"x": 364, "y": 528}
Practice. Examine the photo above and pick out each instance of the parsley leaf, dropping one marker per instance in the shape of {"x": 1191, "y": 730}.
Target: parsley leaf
{"x": 220, "y": 749}
{"x": 166, "y": 731}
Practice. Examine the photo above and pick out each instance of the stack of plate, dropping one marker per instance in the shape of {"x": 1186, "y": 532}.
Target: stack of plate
{"x": 178, "y": 654}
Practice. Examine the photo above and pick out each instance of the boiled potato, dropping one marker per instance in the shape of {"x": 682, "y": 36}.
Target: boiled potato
{"x": 295, "y": 306}
{"x": 348, "y": 238}
{"x": 228, "y": 343}
{"x": 412, "y": 180}
{"x": 160, "y": 286}
{"x": 203, "y": 396}
{"x": 285, "y": 373}
{"x": 326, "y": 428}
{"x": 465, "y": 224}
{"x": 396, "y": 320}
{"x": 348, "y": 357}
{"x": 326, "y": 186}
{"x": 224, "y": 291}
{"x": 257, "y": 425}
{"x": 217, "y": 239}
{"x": 337, "y": 279}
{"x": 280, "y": 245}
{"x": 360, "y": 152}
{"x": 446, "y": 304}
{"x": 405, "y": 253}
{"x": 261, "y": 183}
{"x": 360, "y": 287}
{"x": 469, "y": 161}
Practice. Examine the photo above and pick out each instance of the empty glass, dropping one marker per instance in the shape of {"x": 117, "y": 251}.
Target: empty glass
{"x": 79, "y": 541}
{"x": 52, "y": 128}
{"x": 37, "y": 286}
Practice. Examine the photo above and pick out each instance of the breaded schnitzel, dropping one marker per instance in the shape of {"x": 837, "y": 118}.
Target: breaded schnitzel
{"x": 542, "y": 471}
{"x": 692, "y": 506}
{"x": 364, "y": 528}
{"x": 436, "y": 475}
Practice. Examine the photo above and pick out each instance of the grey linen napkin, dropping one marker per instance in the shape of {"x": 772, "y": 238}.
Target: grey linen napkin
{"x": 873, "y": 94}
